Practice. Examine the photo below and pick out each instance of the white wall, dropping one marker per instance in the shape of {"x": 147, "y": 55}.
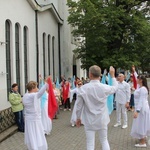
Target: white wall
{"x": 67, "y": 51}
{"x": 48, "y": 24}
{"x": 20, "y": 11}
{"x": 17, "y": 12}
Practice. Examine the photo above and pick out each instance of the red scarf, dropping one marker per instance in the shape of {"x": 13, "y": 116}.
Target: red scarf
{"x": 65, "y": 92}
{"x": 52, "y": 103}
{"x": 134, "y": 81}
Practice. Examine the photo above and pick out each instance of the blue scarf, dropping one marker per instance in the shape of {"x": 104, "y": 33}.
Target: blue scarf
{"x": 44, "y": 97}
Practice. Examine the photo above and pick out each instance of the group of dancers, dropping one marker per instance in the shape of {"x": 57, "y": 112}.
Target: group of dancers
{"x": 90, "y": 108}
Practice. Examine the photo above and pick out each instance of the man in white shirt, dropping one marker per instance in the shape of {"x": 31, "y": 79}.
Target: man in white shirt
{"x": 92, "y": 102}
{"x": 122, "y": 99}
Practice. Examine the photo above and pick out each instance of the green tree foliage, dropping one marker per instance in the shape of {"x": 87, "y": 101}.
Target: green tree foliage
{"x": 113, "y": 32}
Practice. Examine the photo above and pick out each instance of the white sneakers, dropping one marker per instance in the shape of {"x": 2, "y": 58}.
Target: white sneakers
{"x": 119, "y": 124}
{"x": 66, "y": 109}
{"x": 124, "y": 126}
{"x": 141, "y": 145}
{"x": 72, "y": 125}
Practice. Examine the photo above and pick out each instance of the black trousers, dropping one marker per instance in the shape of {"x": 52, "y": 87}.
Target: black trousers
{"x": 67, "y": 103}
{"x": 19, "y": 120}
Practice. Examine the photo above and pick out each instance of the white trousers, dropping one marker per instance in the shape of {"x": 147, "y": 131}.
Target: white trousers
{"x": 119, "y": 108}
{"x": 90, "y": 139}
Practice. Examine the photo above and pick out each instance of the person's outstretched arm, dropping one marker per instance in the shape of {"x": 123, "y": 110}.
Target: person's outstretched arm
{"x": 42, "y": 90}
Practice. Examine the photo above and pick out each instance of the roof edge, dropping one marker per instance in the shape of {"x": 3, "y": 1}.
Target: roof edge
{"x": 34, "y": 4}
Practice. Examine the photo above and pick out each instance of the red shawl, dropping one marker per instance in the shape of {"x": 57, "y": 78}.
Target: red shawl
{"x": 52, "y": 103}
{"x": 66, "y": 92}
{"x": 134, "y": 81}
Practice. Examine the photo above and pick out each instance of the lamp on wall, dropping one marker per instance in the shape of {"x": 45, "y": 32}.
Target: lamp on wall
{"x": 3, "y": 43}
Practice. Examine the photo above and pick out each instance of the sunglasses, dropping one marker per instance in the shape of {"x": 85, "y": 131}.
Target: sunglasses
{"x": 79, "y": 84}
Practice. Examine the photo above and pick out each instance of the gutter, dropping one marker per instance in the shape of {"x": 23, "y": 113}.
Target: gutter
{"x": 36, "y": 6}
{"x": 59, "y": 50}
{"x": 37, "y": 45}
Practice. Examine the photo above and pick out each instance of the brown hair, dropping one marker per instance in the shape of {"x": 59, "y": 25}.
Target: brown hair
{"x": 31, "y": 85}
{"x": 144, "y": 81}
{"x": 79, "y": 82}
{"x": 14, "y": 85}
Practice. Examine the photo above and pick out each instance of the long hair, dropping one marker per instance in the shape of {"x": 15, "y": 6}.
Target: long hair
{"x": 144, "y": 82}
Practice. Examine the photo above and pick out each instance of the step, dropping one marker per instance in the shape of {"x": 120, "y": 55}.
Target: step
{"x": 8, "y": 132}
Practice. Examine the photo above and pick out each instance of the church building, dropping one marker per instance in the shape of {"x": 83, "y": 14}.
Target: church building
{"x": 35, "y": 38}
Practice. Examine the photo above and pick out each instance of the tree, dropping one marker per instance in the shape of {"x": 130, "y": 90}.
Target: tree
{"x": 113, "y": 32}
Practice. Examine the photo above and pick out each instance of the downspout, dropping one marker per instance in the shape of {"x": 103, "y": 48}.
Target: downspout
{"x": 37, "y": 45}
{"x": 59, "y": 50}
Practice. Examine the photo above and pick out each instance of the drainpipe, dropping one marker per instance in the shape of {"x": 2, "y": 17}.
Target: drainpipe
{"x": 59, "y": 50}
{"x": 37, "y": 45}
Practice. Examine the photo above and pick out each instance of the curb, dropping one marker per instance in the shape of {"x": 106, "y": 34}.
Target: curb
{"x": 8, "y": 132}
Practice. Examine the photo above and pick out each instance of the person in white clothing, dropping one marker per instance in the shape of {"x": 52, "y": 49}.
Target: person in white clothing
{"x": 122, "y": 99}
{"x": 72, "y": 92}
{"x": 141, "y": 122}
{"x": 34, "y": 132}
{"x": 46, "y": 121}
{"x": 92, "y": 103}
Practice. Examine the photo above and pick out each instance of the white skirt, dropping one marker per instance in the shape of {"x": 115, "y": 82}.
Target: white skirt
{"x": 46, "y": 121}
{"x": 34, "y": 135}
{"x": 74, "y": 116}
{"x": 141, "y": 126}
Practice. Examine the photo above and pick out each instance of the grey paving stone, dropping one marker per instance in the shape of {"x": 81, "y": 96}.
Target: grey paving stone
{"x": 65, "y": 137}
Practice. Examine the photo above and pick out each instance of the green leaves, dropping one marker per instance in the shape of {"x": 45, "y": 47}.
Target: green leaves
{"x": 116, "y": 32}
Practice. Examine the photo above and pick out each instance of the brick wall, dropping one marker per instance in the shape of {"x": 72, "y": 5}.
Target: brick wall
{"x": 7, "y": 119}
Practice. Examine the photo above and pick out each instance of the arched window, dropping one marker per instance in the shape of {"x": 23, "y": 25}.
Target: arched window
{"x": 53, "y": 55}
{"x": 8, "y": 55}
{"x": 25, "y": 42}
{"x": 17, "y": 47}
{"x": 49, "y": 54}
{"x": 44, "y": 59}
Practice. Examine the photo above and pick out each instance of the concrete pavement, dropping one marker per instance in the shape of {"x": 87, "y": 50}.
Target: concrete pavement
{"x": 65, "y": 137}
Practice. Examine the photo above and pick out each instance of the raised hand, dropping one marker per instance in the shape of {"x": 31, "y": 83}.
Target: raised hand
{"x": 133, "y": 68}
{"x": 47, "y": 78}
{"x": 40, "y": 77}
{"x": 112, "y": 71}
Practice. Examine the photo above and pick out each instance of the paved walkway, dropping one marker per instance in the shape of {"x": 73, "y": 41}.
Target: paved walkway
{"x": 65, "y": 137}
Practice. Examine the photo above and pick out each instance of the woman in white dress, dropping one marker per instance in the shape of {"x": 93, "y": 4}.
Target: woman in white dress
{"x": 34, "y": 133}
{"x": 72, "y": 92}
{"x": 141, "y": 122}
{"x": 46, "y": 121}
